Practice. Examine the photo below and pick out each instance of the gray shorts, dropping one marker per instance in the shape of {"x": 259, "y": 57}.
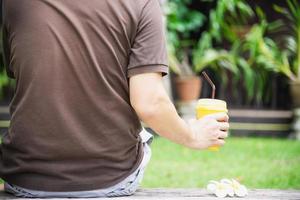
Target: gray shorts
{"x": 125, "y": 188}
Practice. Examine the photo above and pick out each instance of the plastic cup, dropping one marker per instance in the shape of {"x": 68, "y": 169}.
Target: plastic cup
{"x": 209, "y": 106}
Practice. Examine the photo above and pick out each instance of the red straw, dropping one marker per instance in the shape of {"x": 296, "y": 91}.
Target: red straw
{"x": 211, "y": 84}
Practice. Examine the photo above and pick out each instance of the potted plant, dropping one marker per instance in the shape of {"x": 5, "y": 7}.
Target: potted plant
{"x": 286, "y": 59}
{"x": 187, "y": 82}
{"x": 291, "y": 56}
{"x": 230, "y": 20}
{"x": 190, "y": 56}
{"x": 183, "y": 21}
{"x": 227, "y": 21}
{"x": 246, "y": 56}
{"x": 240, "y": 54}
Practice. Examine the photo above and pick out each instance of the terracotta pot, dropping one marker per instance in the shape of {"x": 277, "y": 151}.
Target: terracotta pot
{"x": 295, "y": 93}
{"x": 188, "y": 88}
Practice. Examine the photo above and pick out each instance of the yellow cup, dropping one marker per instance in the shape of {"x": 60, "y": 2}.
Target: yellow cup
{"x": 209, "y": 106}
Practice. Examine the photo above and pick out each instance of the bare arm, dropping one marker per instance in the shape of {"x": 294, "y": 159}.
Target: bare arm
{"x": 152, "y": 104}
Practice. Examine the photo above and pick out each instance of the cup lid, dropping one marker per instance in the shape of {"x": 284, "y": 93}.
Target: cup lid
{"x": 212, "y": 103}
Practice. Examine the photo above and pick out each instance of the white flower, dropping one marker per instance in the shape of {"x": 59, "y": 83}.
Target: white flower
{"x": 212, "y": 186}
{"x": 221, "y": 190}
{"x": 228, "y": 183}
{"x": 225, "y": 180}
{"x": 239, "y": 190}
{"x": 227, "y": 187}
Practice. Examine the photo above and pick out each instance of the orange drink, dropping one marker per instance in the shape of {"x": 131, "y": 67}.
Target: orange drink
{"x": 209, "y": 106}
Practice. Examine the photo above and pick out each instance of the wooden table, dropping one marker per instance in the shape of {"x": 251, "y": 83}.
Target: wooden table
{"x": 192, "y": 194}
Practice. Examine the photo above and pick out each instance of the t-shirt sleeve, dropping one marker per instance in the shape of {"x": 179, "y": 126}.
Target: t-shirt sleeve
{"x": 149, "y": 52}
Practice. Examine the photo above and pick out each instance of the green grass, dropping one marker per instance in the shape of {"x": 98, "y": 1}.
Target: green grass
{"x": 256, "y": 162}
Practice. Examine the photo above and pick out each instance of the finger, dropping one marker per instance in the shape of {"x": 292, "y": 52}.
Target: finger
{"x": 223, "y": 134}
{"x": 224, "y": 126}
{"x": 221, "y": 117}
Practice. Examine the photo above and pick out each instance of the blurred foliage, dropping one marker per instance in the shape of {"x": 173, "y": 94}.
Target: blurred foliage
{"x": 182, "y": 22}
{"x": 233, "y": 43}
{"x": 285, "y": 60}
{"x": 258, "y": 55}
{"x": 226, "y": 19}
{"x": 225, "y": 23}
{"x": 228, "y": 26}
{"x": 5, "y": 82}
{"x": 230, "y": 43}
{"x": 246, "y": 56}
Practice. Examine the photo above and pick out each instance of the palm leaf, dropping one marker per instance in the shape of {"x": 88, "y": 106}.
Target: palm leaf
{"x": 210, "y": 57}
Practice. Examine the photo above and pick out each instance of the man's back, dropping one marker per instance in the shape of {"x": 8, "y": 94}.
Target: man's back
{"x": 72, "y": 125}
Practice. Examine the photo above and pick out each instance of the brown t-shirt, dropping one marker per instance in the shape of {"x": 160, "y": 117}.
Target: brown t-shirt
{"x": 72, "y": 125}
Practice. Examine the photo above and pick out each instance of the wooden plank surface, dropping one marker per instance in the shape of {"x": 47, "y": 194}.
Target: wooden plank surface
{"x": 192, "y": 194}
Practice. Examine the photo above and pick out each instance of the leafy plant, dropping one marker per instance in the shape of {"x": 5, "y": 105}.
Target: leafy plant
{"x": 228, "y": 13}
{"x": 222, "y": 19}
{"x": 289, "y": 61}
{"x": 232, "y": 45}
{"x": 267, "y": 56}
{"x": 223, "y": 22}
{"x": 248, "y": 56}
{"x": 228, "y": 17}
{"x": 246, "y": 46}
{"x": 182, "y": 22}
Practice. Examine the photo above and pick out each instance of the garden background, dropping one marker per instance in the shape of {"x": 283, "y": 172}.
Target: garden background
{"x": 251, "y": 51}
